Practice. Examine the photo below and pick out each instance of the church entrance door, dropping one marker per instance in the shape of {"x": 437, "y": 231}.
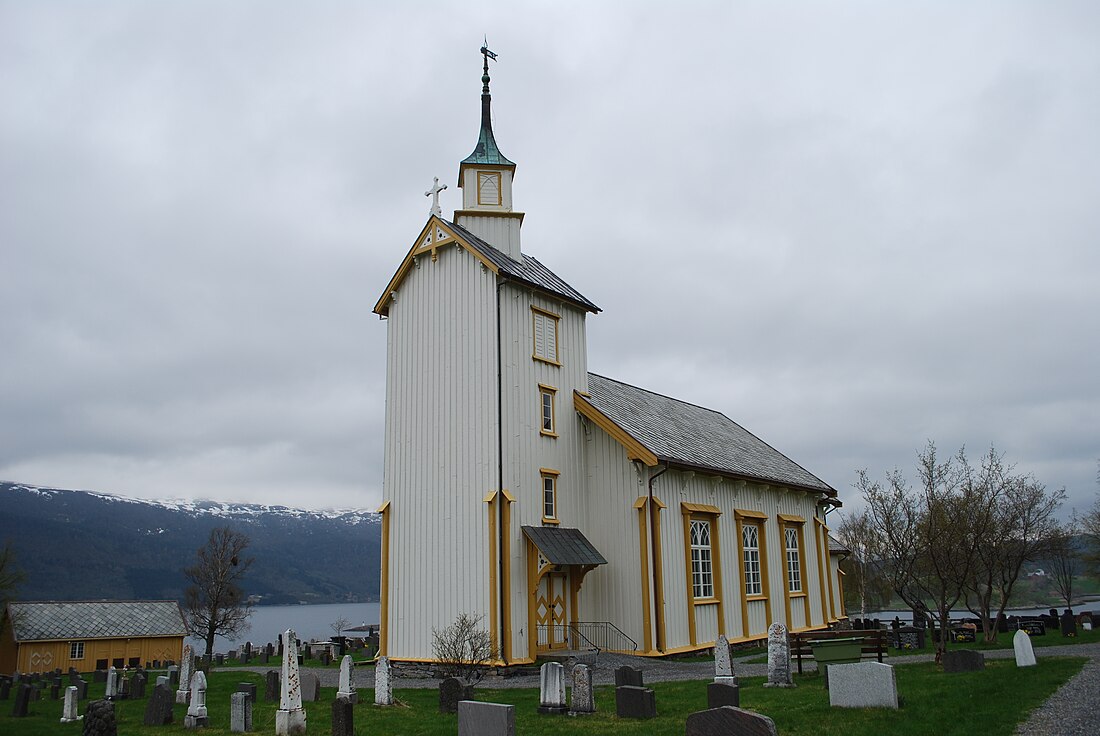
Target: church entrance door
{"x": 552, "y": 611}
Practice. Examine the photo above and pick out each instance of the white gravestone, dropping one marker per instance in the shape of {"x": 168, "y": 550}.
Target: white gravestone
{"x": 345, "y": 690}
{"x": 112, "y": 684}
{"x": 187, "y": 670}
{"x": 196, "y": 711}
{"x": 383, "y": 690}
{"x": 723, "y": 667}
{"x": 1025, "y": 654}
{"x": 290, "y": 718}
{"x": 862, "y": 685}
{"x": 779, "y": 657}
{"x": 552, "y": 688}
{"x": 69, "y": 713}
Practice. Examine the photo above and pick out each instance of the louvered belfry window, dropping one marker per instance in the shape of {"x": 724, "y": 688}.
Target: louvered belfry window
{"x": 546, "y": 336}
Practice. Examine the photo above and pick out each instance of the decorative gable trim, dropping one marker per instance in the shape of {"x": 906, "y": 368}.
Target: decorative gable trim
{"x": 635, "y": 450}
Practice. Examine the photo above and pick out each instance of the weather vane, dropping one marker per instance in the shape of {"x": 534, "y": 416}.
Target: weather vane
{"x": 488, "y": 55}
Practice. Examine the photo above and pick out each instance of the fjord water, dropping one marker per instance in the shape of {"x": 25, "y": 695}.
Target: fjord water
{"x": 308, "y": 622}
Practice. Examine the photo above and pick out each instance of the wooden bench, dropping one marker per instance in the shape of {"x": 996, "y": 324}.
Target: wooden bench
{"x": 874, "y": 642}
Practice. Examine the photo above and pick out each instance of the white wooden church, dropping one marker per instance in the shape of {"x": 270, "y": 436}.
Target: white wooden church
{"x": 565, "y": 508}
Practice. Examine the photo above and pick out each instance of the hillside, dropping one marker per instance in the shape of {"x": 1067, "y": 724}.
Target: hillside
{"x": 74, "y": 545}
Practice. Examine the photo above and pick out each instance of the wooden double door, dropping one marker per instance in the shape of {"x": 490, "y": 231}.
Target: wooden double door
{"x": 552, "y": 611}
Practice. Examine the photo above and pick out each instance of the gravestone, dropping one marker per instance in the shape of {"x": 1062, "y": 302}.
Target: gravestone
{"x": 635, "y": 702}
{"x": 383, "y": 690}
{"x": 779, "y": 657}
{"x": 123, "y": 691}
{"x": 271, "y": 686}
{"x": 311, "y": 688}
{"x": 99, "y": 719}
{"x": 343, "y": 717}
{"x": 137, "y": 687}
{"x": 187, "y": 670}
{"x": 173, "y": 676}
{"x": 69, "y": 710}
{"x": 862, "y": 685}
{"x": 720, "y": 694}
{"x": 166, "y": 681}
{"x": 583, "y": 699}
{"x": 112, "y": 684}
{"x": 81, "y": 689}
{"x": 1025, "y": 654}
{"x": 729, "y": 720}
{"x": 1034, "y": 627}
{"x": 249, "y": 688}
{"x": 626, "y": 675}
{"x": 55, "y": 692}
{"x": 344, "y": 688}
{"x": 5, "y": 689}
{"x": 158, "y": 711}
{"x": 290, "y": 718}
{"x": 486, "y": 719}
{"x": 723, "y": 667}
{"x": 22, "y": 701}
{"x": 240, "y": 712}
{"x": 219, "y": 659}
{"x": 1068, "y": 624}
{"x": 963, "y": 660}
{"x": 552, "y": 689}
{"x": 265, "y": 658}
{"x": 99, "y": 676}
{"x": 196, "y": 712}
{"x": 451, "y": 692}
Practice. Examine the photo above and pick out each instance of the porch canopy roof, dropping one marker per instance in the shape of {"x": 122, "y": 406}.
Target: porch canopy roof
{"x": 564, "y": 546}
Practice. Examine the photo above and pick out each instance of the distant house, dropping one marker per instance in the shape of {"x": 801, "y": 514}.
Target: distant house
{"x": 89, "y": 635}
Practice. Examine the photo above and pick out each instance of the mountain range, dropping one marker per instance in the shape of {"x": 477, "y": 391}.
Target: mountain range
{"x": 83, "y": 545}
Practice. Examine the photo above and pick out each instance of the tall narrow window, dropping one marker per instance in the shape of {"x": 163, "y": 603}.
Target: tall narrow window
{"x": 702, "y": 571}
{"x": 750, "y": 544}
{"x": 76, "y": 650}
{"x": 549, "y": 495}
{"x": 546, "y": 336}
{"x": 794, "y": 567}
{"x": 547, "y": 421}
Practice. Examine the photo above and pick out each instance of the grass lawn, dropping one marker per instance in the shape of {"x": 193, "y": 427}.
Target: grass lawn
{"x": 989, "y": 702}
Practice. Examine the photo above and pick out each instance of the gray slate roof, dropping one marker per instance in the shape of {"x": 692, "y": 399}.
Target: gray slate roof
{"x": 564, "y": 546}
{"x": 688, "y": 435}
{"x": 530, "y": 271}
{"x": 95, "y": 619}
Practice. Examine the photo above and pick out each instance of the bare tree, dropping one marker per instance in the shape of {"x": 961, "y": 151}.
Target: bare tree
{"x": 214, "y": 602}
{"x": 339, "y": 625}
{"x": 862, "y": 567}
{"x": 464, "y": 649}
{"x": 10, "y": 578}
{"x": 1065, "y": 559}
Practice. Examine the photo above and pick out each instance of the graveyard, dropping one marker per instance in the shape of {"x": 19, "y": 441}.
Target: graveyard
{"x": 990, "y": 701}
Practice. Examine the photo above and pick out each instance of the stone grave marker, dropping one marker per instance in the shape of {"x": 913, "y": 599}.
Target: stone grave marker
{"x": 158, "y": 711}
{"x": 383, "y": 690}
{"x": 344, "y": 688}
{"x": 137, "y": 687}
{"x": 1068, "y": 624}
{"x": 451, "y": 691}
{"x": 112, "y": 684}
{"x": 81, "y": 686}
{"x": 166, "y": 681}
{"x": 265, "y": 658}
{"x": 99, "y": 719}
{"x": 862, "y": 685}
{"x": 196, "y": 711}
{"x": 486, "y": 719}
{"x": 779, "y": 657}
{"x": 720, "y": 694}
{"x": 22, "y": 701}
{"x": 626, "y": 675}
{"x": 343, "y": 717}
{"x": 173, "y": 676}
{"x": 99, "y": 676}
{"x": 69, "y": 712}
{"x": 5, "y": 688}
{"x": 963, "y": 660}
{"x": 729, "y": 720}
{"x": 249, "y": 688}
{"x": 55, "y": 692}
{"x": 311, "y": 688}
{"x": 187, "y": 670}
{"x": 583, "y": 699}
{"x": 240, "y": 712}
{"x": 271, "y": 686}
{"x": 723, "y": 667}
{"x": 635, "y": 702}
{"x": 1025, "y": 654}
{"x": 123, "y": 692}
{"x": 552, "y": 689}
{"x": 290, "y": 718}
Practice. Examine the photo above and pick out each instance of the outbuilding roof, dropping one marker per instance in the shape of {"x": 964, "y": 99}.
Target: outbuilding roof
{"x": 49, "y": 620}
{"x": 686, "y": 435}
{"x": 564, "y": 546}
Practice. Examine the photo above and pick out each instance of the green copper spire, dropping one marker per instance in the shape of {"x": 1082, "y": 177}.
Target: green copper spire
{"x": 486, "y": 151}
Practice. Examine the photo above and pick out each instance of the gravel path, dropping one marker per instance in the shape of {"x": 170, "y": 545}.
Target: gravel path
{"x": 1073, "y": 710}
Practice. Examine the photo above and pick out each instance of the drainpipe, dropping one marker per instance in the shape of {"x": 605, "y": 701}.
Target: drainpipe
{"x": 658, "y": 608}
{"x": 501, "y": 500}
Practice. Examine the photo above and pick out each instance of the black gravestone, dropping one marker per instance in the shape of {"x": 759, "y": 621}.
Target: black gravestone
{"x": 55, "y": 692}
{"x": 137, "y": 687}
{"x": 451, "y": 691}
{"x": 158, "y": 711}
{"x": 99, "y": 676}
{"x": 1034, "y": 628}
{"x": 22, "y": 701}
{"x": 265, "y": 658}
{"x": 720, "y": 694}
{"x": 99, "y": 719}
{"x": 271, "y": 686}
{"x": 343, "y": 717}
{"x": 627, "y": 675}
{"x": 5, "y": 689}
{"x": 963, "y": 660}
{"x": 729, "y": 720}
{"x": 635, "y": 702}
{"x": 247, "y": 687}
{"x": 1068, "y": 624}
{"x": 81, "y": 689}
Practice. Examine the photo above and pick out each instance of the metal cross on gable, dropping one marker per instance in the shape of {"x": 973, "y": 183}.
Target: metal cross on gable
{"x": 434, "y": 194}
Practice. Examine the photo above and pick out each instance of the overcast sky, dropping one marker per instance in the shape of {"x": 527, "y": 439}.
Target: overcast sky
{"x": 850, "y": 227}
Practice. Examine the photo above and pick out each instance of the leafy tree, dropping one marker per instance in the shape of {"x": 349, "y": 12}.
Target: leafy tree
{"x": 214, "y": 602}
{"x": 10, "y": 577}
{"x": 463, "y": 649}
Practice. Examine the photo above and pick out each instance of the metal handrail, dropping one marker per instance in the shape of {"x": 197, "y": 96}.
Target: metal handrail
{"x": 608, "y": 635}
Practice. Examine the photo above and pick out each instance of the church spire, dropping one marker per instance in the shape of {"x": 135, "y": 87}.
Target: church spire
{"x": 486, "y": 151}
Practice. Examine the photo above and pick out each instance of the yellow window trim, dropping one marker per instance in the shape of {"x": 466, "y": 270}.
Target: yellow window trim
{"x": 543, "y": 390}
{"x": 800, "y": 594}
{"x": 547, "y": 312}
{"x": 557, "y": 336}
{"x": 791, "y": 519}
{"x": 699, "y": 508}
{"x": 707, "y": 601}
{"x": 551, "y": 435}
{"x": 702, "y": 512}
{"x": 549, "y": 471}
{"x": 750, "y": 514}
{"x": 752, "y": 598}
{"x": 548, "y": 520}
{"x": 635, "y": 450}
